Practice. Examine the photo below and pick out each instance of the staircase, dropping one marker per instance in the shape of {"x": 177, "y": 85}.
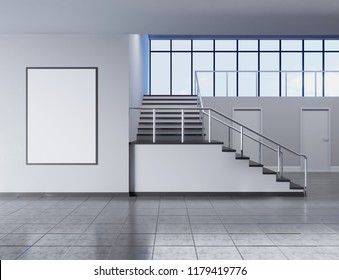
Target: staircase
{"x": 168, "y": 122}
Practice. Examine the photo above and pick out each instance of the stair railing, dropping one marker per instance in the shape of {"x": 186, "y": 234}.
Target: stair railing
{"x": 208, "y": 112}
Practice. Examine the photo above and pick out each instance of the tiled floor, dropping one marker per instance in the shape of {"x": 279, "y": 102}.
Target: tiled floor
{"x": 174, "y": 227}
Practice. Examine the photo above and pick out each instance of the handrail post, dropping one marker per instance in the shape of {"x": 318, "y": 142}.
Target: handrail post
{"x": 182, "y": 125}
{"x": 229, "y": 137}
{"x": 285, "y": 84}
{"x": 209, "y": 125}
{"x": 153, "y": 125}
{"x": 279, "y": 162}
{"x": 305, "y": 174}
{"x": 241, "y": 141}
{"x": 282, "y": 163}
{"x": 260, "y": 150}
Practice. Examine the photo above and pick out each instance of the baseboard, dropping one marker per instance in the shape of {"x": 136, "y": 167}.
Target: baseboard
{"x": 334, "y": 169}
{"x": 218, "y": 194}
{"x": 55, "y": 194}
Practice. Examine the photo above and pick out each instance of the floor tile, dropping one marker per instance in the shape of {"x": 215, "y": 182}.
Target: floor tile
{"x": 58, "y": 239}
{"x": 8, "y": 228}
{"x": 212, "y": 239}
{"x": 44, "y": 253}
{"x": 174, "y": 228}
{"x": 69, "y": 228}
{"x": 261, "y": 253}
{"x": 173, "y": 219}
{"x": 174, "y": 253}
{"x": 175, "y": 239}
{"x": 251, "y": 239}
{"x": 20, "y": 239}
{"x": 291, "y": 240}
{"x": 34, "y": 228}
{"x": 242, "y": 228}
{"x": 87, "y": 253}
{"x": 96, "y": 239}
{"x": 135, "y": 239}
{"x": 208, "y": 228}
{"x": 131, "y": 253}
{"x": 173, "y": 212}
{"x": 139, "y": 228}
{"x": 204, "y": 219}
{"x": 11, "y": 252}
{"x": 104, "y": 228}
{"x": 218, "y": 253}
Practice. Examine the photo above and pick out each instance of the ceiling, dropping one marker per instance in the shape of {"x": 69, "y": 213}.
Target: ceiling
{"x": 204, "y": 17}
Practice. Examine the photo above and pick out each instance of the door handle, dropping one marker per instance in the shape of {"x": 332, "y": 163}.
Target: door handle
{"x": 326, "y": 139}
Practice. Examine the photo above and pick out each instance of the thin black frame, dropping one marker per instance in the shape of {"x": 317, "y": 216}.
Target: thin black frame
{"x": 302, "y": 51}
{"x": 96, "y": 116}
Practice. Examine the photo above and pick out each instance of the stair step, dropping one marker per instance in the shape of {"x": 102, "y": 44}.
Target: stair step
{"x": 170, "y": 97}
{"x": 177, "y": 126}
{"x": 267, "y": 171}
{"x": 178, "y": 129}
{"x": 191, "y": 133}
{"x": 294, "y": 186}
{"x": 255, "y": 164}
{"x": 283, "y": 179}
{"x": 170, "y": 122}
{"x": 228, "y": 150}
{"x": 239, "y": 156}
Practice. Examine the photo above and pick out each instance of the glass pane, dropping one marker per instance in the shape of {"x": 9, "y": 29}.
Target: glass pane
{"x": 203, "y": 45}
{"x": 269, "y": 62}
{"x": 291, "y": 62}
{"x": 331, "y": 45}
{"x": 160, "y": 73}
{"x": 247, "y": 83}
{"x": 248, "y": 61}
{"x": 331, "y": 78}
{"x": 313, "y": 84}
{"x": 331, "y": 84}
{"x": 181, "y": 45}
{"x": 225, "y": 45}
{"x": 291, "y": 45}
{"x": 269, "y": 45}
{"x": 313, "y": 61}
{"x": 291, "y": 84}
{"x": 225, "y": 61}
{"x": 313, "y": 45}
{"x": 181, "y": 73}
{"x": 269, "y": 84}
{"x": 204, "y": 62}
{"x": 247, "y": 45}
{"x": 331, "y": 61}
{"x": 225, "y": 84}
{"x": 160, "y": 45}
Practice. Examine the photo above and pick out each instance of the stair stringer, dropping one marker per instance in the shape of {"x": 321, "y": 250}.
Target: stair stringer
{"x": 197, "y": 168}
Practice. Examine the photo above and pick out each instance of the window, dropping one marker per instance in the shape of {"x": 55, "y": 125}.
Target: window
{"x": 244, "y": 67}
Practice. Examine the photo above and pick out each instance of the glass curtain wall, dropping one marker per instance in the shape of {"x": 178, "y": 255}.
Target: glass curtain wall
{"x": 244, "y": 67}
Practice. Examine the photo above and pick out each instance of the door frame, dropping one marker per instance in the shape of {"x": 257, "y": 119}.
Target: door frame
{"x": 260, "y": 109}
{"x": 329, "y": 134}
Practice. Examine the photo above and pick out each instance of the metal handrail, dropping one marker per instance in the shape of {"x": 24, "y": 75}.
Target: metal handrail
{"x": 242, "y": 133}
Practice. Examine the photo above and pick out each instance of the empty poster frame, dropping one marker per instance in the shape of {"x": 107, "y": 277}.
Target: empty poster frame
{"x": 61, "y": 115}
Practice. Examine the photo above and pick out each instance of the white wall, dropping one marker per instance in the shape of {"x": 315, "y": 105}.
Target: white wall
{"x": 281, "y": 120}
{"x": 111, "y": 55}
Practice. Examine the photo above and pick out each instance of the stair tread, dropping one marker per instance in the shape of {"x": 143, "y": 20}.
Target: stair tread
{"x": 227, "y": 149}
{"x": 294, "y": 186}
{"x": 239, "y": 156}
{"x": 283, "y": 179}
{"x": 255, "y": 164}
{"x": 268, "y": 171}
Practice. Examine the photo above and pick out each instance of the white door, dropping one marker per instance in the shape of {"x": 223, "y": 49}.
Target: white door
{"x": 252, "y": 119}
{"x": 315, "y": 138}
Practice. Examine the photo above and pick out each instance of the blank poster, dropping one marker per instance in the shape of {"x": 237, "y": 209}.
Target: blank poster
{"x": 61, "y": 115}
